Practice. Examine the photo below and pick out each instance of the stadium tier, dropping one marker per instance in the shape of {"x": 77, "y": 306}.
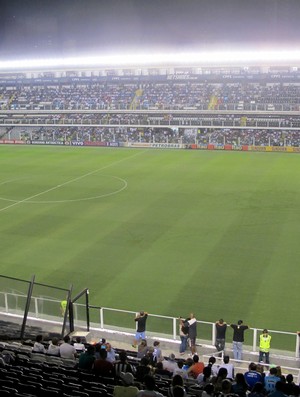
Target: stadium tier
{"x": 237, "y": 107}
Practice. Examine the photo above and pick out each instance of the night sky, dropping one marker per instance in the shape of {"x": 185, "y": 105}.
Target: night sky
{"x": 42, "y": 28}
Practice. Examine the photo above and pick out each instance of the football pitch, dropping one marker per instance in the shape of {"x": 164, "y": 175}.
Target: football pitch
{"x": 166, "y": 231}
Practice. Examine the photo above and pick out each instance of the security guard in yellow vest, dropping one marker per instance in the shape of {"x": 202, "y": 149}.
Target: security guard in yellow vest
{"x": 264, "y": 346}
{"x": 63, "y": 307}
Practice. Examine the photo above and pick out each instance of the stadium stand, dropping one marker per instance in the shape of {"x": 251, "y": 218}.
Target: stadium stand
{"x": 221, "y": 106}
{"x": 23, "y": 372}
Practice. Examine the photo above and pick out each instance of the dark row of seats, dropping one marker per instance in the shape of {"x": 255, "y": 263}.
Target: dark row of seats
{"x": 41, "y": 380}
{"x": 10, "y": 331}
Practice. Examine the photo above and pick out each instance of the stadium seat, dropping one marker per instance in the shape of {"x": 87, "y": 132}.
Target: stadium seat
{"x": 48, "y": 392}
{"x": 6, "y": 382}
{"x": 4, "y": 392}
{"x": 27, "y": 388}
{"x": 11, "y": 390}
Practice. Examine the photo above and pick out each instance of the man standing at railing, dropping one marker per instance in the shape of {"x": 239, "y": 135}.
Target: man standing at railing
{"x": 191, "y": 323}
{"x": 221, "y": 328}
{"x": 141, "y": 319}
{"x": 238, "y": 339}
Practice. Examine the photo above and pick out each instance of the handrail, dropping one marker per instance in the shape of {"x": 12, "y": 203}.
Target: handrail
{"x": 173, "y": 320}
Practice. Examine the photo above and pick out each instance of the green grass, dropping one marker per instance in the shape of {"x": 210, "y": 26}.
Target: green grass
{"x": 167, "y": 231}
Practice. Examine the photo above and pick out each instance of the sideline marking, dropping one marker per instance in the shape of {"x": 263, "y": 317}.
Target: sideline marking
{"x": 70, "y": 181}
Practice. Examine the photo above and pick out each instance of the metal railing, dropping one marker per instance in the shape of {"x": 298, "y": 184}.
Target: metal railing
{"x": 107, "y": 317}
{"x": 48, "y": 309}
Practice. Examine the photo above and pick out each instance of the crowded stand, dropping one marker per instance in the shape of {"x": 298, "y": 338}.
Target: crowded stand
{"x": 224, "y": 136}
{"x": 71, "y": 366}
{"x": 154, "y": 96}
{"x": 239, "y": 107}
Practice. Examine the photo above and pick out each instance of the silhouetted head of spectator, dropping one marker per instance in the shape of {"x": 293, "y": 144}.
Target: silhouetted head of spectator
{"x": 177, "y": 380}
{"x": 149, "y": 382}
{"x": 195, "y": 358}
{"x": 289, "y": 378}
{"x": 180, "y": 364}
{"x": 90, "y": 349}
{"x": 252, "y": 367}
{"x": 39, "y": 338}
{"x": 212, "y": 360}
{"x": 145, "y": 361}
{"x": 273, "y": 371}
{"x": 103, "y": 354}
{"x": 226, "y": 359}
{"x": 178, "y": 391}
{"x": 209, "y": 389}
{"x": 207, "y": 372}
{"x": 123, "y": 356}
{"x": 258, "y": 388}
{"x": 222, "y": 373}
{"x": 226, "y": 386}
{"x": 279, "y": 386}
{"x": 67, "y": 339}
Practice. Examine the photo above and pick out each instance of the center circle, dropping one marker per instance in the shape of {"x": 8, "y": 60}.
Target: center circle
{"x": 90, "y": 185}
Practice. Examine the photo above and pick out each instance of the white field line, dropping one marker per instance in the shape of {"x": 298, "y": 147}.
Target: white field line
{"x": 68, "y": 182}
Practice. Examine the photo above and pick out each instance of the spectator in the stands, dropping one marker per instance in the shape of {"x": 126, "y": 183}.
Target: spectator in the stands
{"x": 53, "y": 348}
{"x": 127, "y": 389}
{"x": 149, "y": 390}
{"x": 181, "y": 370}
{"x": 208, "y": 390}
{"x": 87, "y": 358}
{"x": 252, "y": 376}
{"x": 159, "y": 370}
{"x": 170, "y": 364}
{"x": 289, "y": 387}
{"x": 204, "y": 377}
{"x": 177, "y": 382}
{"x": 257, "y": 390}
{"x": 142, "y": 349}
{"x": 240, "y": 386}
{"x": 79, "y": 345}
{"x": 271, "y": 380}
{"x": 66, "y": 350}
{"x": 111, "y": 354}
{"x": 230, "y": 368}
{"x": 102, "y": 366}
{"x": 279, "y": 390}
{"x": 214, "y": 367}
{"x": 122, "y": 365}
{"x": 143, "y": 369}
{"x": 157, "y": 352}
{"x": 197, "y": 367}
{"x": 38, "y": 346}
{"x": 226, "y": 388}
{"x": 217, "y": 380}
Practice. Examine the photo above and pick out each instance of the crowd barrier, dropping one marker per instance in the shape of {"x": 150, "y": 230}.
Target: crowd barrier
{"x": 45, "y": 310}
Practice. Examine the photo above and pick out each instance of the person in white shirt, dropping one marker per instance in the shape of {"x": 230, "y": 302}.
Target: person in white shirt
{"x": 230, "y": 368}
{"x": 53, "y": 348}
{"x": 38, "y": 347}
{"x": 79, "y": 346}
{"x": 66, "y": 350}
{"x": 170, "y": 364}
